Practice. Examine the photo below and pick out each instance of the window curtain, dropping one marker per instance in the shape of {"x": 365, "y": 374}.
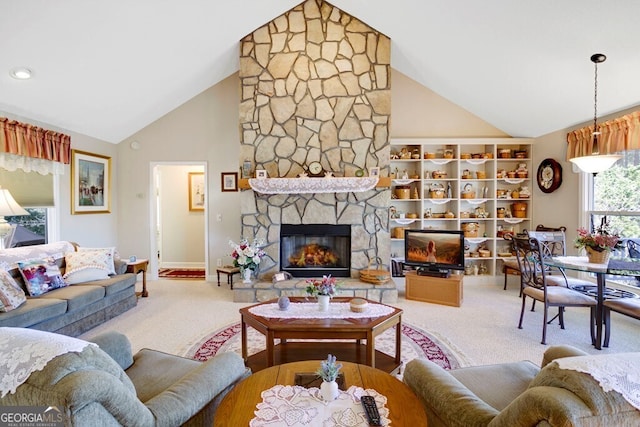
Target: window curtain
{"x": 31, "y": 148}
{"x": 620, "y": 134}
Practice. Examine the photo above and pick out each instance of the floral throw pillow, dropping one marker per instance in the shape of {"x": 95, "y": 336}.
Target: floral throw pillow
{"x": 41, "y": 275}
{"x": 86, "y": 266}
{"x": 11, "y": 295}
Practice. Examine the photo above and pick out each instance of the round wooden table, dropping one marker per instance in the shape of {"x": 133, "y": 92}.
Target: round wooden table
{"x": 237, "y": 408}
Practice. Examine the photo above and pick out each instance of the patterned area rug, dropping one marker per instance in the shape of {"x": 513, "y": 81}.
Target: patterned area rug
{"x": 415, "y": 343}
{"x": 181, "y": 273}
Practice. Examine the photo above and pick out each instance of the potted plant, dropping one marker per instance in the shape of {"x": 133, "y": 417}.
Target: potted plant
{"x": 328, "y": 371}
{"x": 598, "y": 244}
{"x": 323, "y": 289}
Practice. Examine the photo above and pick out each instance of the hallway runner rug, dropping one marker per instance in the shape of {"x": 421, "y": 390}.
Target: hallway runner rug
{"x": 415, "y": 343}
{"x": 181, "y": 273}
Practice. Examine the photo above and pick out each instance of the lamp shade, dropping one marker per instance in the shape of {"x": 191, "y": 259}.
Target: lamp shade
{"x": 8, "y": 206}
{"x": 595, "y": 163}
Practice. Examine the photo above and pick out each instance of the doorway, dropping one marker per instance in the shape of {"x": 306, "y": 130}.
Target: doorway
{"x": 178, "y": 237}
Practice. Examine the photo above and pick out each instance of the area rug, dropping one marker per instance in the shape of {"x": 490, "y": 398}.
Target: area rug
{"x": 181, "y": 273}
{"x": 415, "y": 343}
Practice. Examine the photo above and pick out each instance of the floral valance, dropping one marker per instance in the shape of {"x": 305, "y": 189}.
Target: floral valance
{"x": 34, "y": 142}
{"x": 620, "y": 134}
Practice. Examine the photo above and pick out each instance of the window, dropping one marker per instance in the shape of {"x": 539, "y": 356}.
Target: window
{"x": 32, "y": 229}
{"x": 616, "y": 194}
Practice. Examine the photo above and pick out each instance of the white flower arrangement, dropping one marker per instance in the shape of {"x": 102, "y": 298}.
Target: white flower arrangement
{"x": 246, "y": 255}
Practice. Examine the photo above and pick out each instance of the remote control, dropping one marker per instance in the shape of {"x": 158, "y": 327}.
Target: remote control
{"x": 370, "y": 408}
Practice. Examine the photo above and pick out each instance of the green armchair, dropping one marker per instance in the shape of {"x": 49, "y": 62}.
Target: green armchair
{"x": 111, "y": 386}
{"x": 517, "y": 394}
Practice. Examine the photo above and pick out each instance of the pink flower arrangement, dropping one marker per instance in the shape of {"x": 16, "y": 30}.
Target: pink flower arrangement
{"x": 325, "y": 286}
{"x": 599, "y": 241}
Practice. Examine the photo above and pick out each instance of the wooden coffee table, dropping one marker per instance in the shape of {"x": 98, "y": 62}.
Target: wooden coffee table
{"x": 237, "y": 408}
{"x": 351, "y": 330}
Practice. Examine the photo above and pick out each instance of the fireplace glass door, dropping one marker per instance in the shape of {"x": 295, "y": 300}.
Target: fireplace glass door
{"x": 314, "y": 250}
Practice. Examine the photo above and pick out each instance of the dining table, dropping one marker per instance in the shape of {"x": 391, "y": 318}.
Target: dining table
{"x": 616, "y": 266}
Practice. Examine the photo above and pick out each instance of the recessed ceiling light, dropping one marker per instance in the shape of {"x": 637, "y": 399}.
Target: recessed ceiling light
{"x": 21, "y": 73}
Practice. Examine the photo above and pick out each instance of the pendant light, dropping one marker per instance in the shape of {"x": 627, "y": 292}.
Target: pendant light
{"x": 596, "y": 162}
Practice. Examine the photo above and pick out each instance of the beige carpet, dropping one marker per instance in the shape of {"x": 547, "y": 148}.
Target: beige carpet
{"x": 177, "y": 314}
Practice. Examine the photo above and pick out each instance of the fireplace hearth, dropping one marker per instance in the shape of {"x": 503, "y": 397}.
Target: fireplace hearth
{"x": 314, "y": 250}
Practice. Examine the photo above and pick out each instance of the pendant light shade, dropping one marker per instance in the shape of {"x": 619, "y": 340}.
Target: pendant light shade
{"x": 595, "y": 162}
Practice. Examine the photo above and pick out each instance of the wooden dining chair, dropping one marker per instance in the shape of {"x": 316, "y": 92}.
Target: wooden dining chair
{"x": 534, "y": 284}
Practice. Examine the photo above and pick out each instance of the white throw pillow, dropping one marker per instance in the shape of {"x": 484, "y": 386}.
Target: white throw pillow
{"x": 110, "y": 252}
{"x": 86, "y": 266}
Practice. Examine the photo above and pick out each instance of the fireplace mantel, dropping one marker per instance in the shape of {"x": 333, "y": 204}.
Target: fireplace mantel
{"x": 312, "y": 185}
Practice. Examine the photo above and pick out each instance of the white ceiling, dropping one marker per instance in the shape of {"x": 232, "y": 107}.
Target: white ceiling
{"x": 109, "y": 68}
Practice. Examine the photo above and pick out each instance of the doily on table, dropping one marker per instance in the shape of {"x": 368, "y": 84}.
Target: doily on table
{"x": 619, "y": 372}
{"x": 309, "y": 310}
{"x": 290, "y": 405}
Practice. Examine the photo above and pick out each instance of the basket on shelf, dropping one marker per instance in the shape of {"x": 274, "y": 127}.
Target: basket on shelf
{"x": 436, "y": 191}
{"x": 377, "y": 276}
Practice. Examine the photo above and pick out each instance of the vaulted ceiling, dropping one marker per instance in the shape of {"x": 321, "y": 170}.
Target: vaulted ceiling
{"x": 109, "y": 68}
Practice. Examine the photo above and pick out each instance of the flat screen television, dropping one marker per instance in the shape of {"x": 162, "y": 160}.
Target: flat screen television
{"x": 434, "y": 249}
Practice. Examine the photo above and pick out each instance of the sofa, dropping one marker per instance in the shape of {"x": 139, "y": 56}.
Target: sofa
{"x": 106, "y": 385}
{"x": 520, "y": 393}
{"x": 73, "y": 309}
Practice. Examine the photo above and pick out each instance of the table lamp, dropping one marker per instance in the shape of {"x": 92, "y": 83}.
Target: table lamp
{"x": 8, "y": 207}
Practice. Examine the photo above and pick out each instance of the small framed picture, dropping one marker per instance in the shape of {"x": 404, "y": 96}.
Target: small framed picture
{"x": 229, "y": 181}
{"x": 196, "y": 191}
{"x": 261, "y": 173}
{"x": 374, "y": 171}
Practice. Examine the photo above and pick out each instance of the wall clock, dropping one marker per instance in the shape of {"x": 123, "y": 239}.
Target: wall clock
{"x": 315, "y": 169}
{"x": 549, "y": 175}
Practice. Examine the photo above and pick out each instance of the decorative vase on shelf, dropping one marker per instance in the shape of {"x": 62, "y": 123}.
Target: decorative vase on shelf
{"x": 323, "y": 302}
{"x": 329, "y": 390}
{"x": 246, "y": 275}
{"x": 597, "y": 257}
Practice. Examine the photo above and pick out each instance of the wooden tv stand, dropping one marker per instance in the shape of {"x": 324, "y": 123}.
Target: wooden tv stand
{"x": 438, "y": 290}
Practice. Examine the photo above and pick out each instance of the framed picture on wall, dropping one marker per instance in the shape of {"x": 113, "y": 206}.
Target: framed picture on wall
{"x": 229, "y": 181}
{"x": 90, "y": 183}
{"x": 375, "y": 171}
{"x": 196, "y": 191}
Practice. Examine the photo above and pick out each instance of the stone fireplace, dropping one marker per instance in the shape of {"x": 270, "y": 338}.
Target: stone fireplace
{"x": 315, "y": 86}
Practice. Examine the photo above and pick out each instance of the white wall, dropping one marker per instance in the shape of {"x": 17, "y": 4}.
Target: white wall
{"x": 204, "y": 129}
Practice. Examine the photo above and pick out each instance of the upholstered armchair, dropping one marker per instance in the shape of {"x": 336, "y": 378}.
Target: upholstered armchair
{"x": 517, "y": 394}
{"x": 108, "y": 385}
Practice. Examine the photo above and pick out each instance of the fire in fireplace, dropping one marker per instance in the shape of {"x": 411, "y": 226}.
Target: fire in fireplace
{"x": 313, "y": 250}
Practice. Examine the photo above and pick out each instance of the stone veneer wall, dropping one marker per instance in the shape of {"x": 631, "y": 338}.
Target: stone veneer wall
{"x": 315, "y": 87}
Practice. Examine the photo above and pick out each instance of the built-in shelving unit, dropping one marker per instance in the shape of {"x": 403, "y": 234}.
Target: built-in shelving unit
{"x": 482, "y": 186}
